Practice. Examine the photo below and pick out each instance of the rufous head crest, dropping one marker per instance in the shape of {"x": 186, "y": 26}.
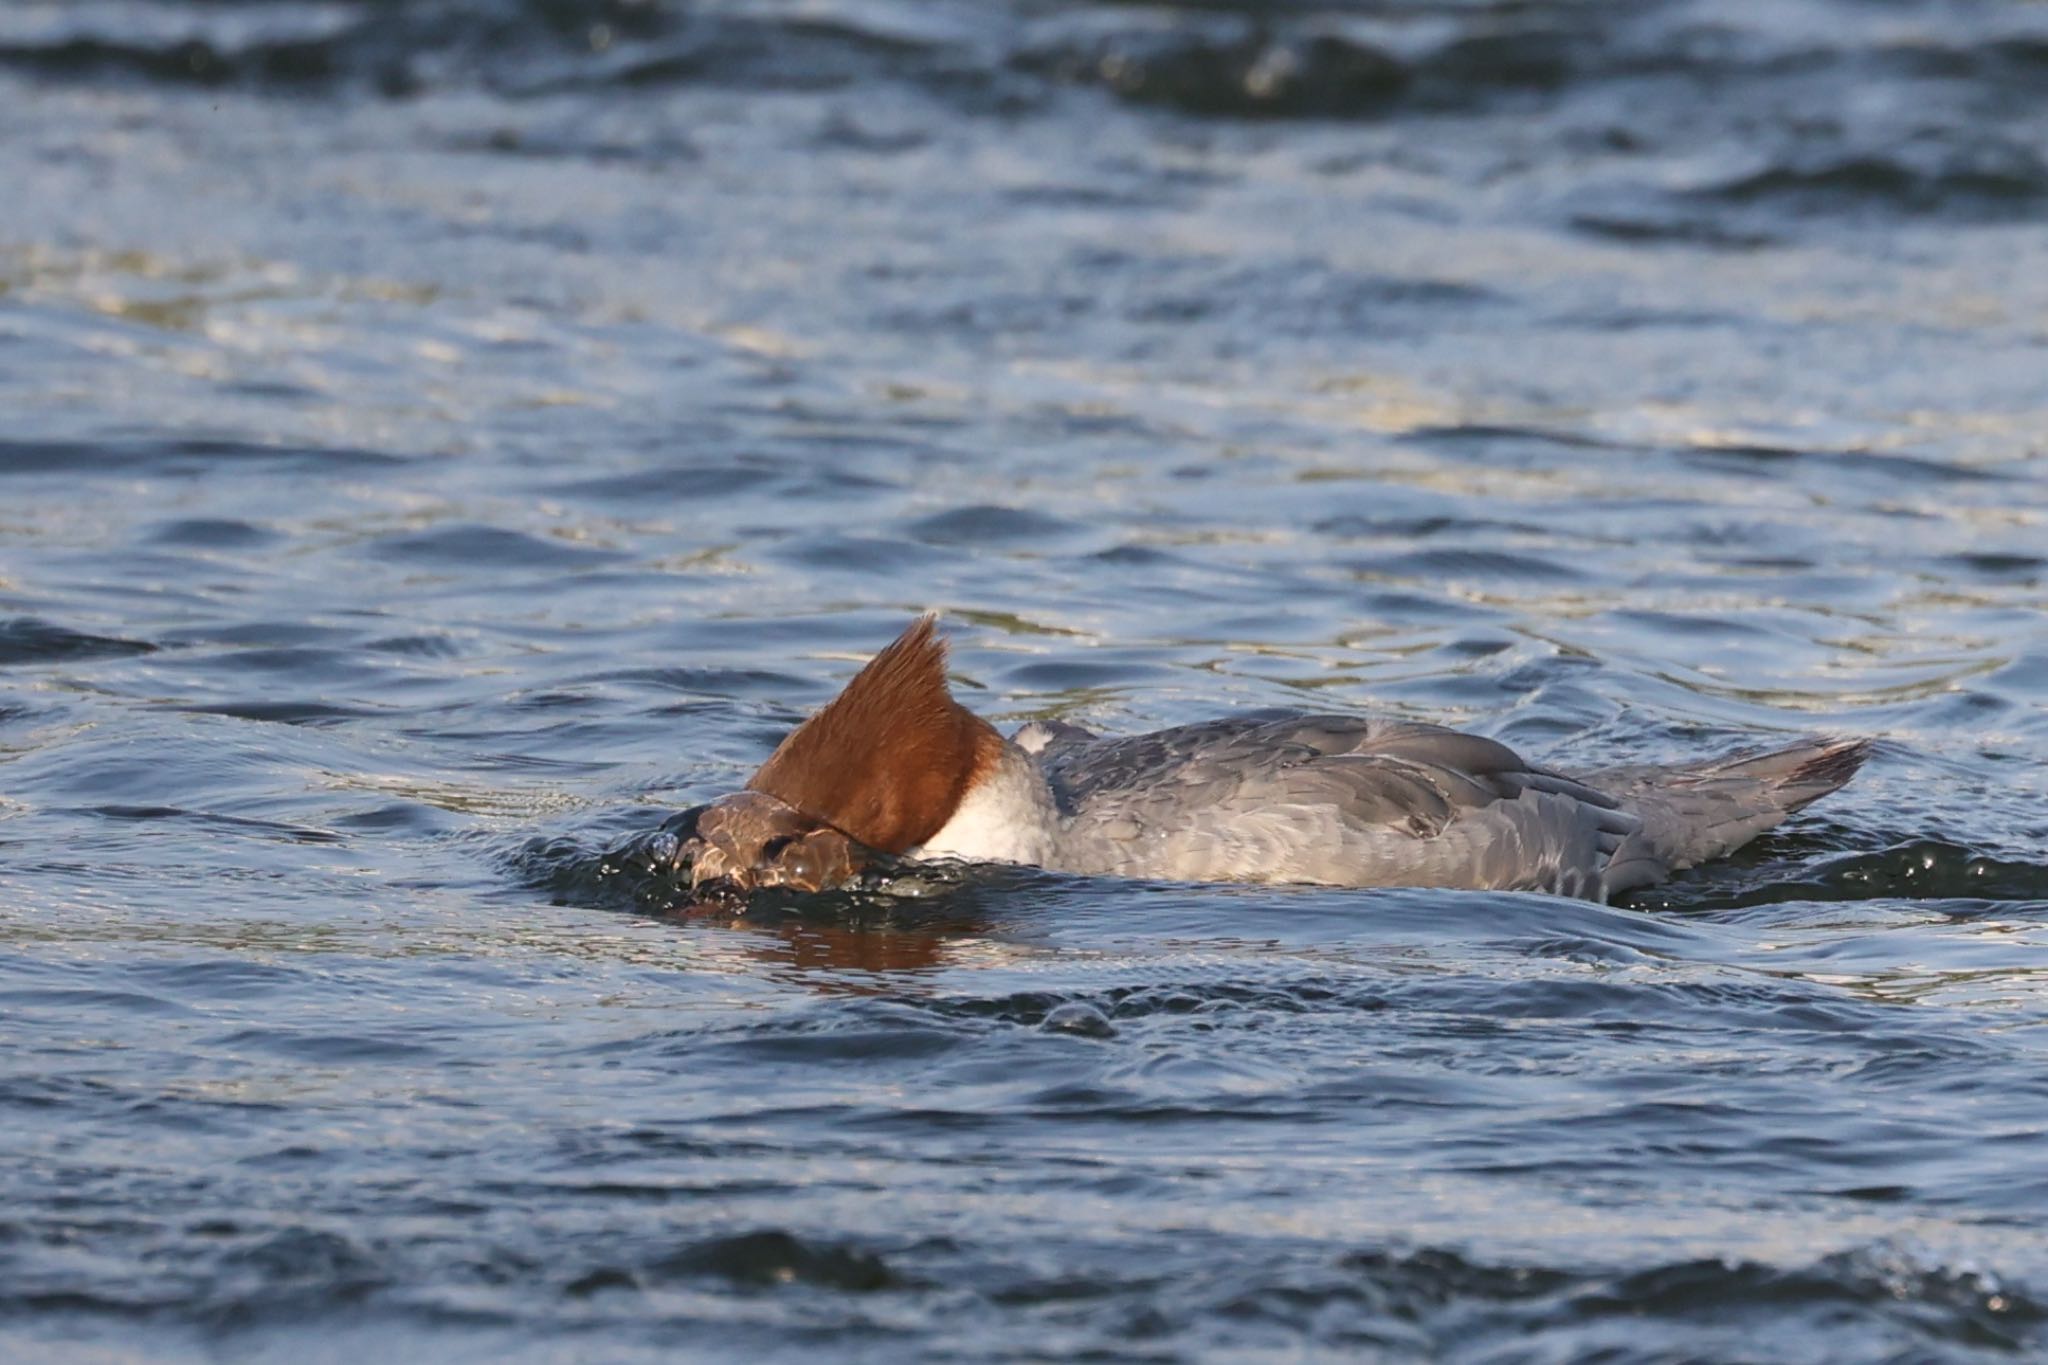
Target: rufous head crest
{"x": 889, "y": 759}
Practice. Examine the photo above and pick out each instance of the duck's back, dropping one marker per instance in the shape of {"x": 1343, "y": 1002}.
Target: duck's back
{"x": 1288, "y": 796}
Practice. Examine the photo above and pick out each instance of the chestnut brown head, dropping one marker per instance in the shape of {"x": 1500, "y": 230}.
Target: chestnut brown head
{"x": 889, "y": 759}
{"x": 871, "y": 776}
{"x": 751, "y": 841}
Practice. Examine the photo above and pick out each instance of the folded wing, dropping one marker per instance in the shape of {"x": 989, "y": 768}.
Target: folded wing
{"x": 1332, "y": 799}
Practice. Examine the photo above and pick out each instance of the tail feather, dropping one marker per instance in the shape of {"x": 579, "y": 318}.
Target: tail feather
{"x": 1824, "y": 765}
{"x": 1697, "y": 811}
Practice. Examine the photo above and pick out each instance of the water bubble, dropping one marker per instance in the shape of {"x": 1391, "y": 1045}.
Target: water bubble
{"x": 1079, "y": 1018}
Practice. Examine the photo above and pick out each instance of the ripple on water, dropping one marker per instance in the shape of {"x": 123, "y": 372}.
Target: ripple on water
{"x": 214, "y": 533}
{"x": 491, "y": 546}
{"x": 180, "y": 458}
{"x": 25, "y": 640}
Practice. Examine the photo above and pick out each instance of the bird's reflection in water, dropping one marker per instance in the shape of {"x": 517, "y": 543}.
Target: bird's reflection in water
{"x": 847, "y": 943}
{"x": 807, "y": 948}
{"x": 846, "y": 957}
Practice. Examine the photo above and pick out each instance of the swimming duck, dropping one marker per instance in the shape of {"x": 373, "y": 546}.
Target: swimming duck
{"x": 895, "y": 768}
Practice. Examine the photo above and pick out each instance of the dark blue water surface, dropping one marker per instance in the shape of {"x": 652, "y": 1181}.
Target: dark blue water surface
{"x": 441, "y": 439}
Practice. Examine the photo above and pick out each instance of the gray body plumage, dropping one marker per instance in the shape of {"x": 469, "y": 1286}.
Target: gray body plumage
{"x": 1349, "y": 801}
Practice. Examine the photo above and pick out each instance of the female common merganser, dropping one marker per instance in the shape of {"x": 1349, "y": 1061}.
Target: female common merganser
{"x": 894, "y": 766}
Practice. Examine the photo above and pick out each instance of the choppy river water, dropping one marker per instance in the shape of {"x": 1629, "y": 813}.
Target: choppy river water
{"x": 442, "y": 439}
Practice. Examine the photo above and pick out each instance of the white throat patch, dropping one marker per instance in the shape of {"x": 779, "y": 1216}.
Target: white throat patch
{"x": 1008, "y": 817}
